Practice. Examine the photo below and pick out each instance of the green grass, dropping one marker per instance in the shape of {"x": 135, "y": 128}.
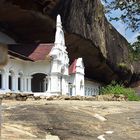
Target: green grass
{"x": 118, "y": 89}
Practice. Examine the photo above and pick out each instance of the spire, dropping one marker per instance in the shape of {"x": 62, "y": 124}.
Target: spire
{"x": 58, "y": 22}
{"x": 59, "y": 36}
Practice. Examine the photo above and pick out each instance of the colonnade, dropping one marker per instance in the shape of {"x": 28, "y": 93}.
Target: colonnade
{"x": 19, "y": 82}
{"x": 15, "y": 82}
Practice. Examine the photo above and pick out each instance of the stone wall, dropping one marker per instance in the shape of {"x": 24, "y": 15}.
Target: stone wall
{"x": 32, "y": 97}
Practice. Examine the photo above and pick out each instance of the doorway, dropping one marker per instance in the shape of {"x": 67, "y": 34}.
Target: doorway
{"x": 39, "y": 82}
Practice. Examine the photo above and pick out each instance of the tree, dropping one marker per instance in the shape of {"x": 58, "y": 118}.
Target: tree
{"x": 135, "y": 49}
{"x": 129, "y": 12}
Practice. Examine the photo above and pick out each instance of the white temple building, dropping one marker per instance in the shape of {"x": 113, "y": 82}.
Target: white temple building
{"x": 44, "y": 69}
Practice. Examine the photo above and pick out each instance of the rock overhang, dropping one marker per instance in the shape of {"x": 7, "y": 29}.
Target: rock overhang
{"x": 34, "y": 22}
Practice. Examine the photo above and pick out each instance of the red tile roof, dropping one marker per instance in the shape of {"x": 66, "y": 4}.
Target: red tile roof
{"x": 33, "y": 52}
{"x": 41, "y": 52}
{"x": 72, "y": 68}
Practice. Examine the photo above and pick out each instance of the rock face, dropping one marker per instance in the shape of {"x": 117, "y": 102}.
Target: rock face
{"x": 88, "y": 34}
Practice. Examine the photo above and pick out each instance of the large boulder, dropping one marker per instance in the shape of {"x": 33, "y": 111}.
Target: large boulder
{"x": 88, "y": 34}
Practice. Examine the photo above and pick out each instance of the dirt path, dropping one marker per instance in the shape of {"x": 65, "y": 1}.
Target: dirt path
{"x": 70, "y": 120}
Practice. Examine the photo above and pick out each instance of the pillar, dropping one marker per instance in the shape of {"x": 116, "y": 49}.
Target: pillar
{"x": 54, "y": 88}
{"x": 64, "y": 84}
{"x": 6, "y": 81}
{"x": 49, "y": 83}
{"x": 2, "y": 81}
{"x": 13, "y": 82}
{"x": 44, "y": 85}
{"x": 29, "y": 84}
{"x": 16, "y": 83}
{"x": 24, "y": 83}
{"x": 21, "y": 84}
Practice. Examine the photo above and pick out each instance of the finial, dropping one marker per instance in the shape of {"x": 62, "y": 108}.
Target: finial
{"x": 58, "y": 22}
{"x": 59, "y": 35}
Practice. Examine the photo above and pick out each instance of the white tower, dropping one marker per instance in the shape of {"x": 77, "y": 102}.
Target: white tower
{"x": 60, "y": 62}
{"x": 79, "y": 78}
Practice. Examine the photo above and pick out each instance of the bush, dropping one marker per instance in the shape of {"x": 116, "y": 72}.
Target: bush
{"x": 118, "y": 89}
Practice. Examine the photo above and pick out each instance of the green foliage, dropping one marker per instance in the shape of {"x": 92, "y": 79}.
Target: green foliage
{"x": 119, "y": 89}
{"x": 130, "y": 11}
{"x": 135, "y": 50}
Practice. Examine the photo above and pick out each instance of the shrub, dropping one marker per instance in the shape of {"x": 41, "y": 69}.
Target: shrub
{"x": 118, "y": 89}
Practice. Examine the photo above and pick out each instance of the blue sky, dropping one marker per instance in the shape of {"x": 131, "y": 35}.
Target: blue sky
{"x": 121, "y": 28}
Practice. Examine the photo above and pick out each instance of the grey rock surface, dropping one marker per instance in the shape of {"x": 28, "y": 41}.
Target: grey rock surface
{"x": 71, "y": 120}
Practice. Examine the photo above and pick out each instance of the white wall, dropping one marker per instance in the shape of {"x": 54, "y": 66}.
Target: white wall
{"x": 91, "y": 88}
{"x": 72, "y": 90}
{"x": 76, "y": 84}
{"x": 27, "y": 69}
{"x": 38, "y": 67}
{"x": 79, "y": 82}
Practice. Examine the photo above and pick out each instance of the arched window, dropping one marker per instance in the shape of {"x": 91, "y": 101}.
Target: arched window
{"x": 62, "y": 38}
{"x": 11, "y": 80}
{"x": 81, "y": 85}
{"x": 70, "y": 89}
{"x": 88, "y": 91}
{"x": 20, "y": 75}
{"x": 2, "y": 72}
{"x": 62, "y": 69}
{"x": 92, "y": 92}
{"x": 85, "y": 90}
